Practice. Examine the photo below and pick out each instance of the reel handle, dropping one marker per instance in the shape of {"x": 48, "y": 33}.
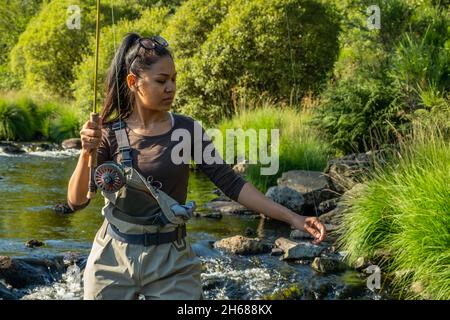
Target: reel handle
{"x": 92, "y": 161}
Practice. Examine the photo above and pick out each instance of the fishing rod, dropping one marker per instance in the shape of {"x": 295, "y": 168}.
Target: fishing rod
{"x": 94, "y": 116}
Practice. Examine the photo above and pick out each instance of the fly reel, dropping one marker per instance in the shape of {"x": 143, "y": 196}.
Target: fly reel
{"x": 109, "y": 177}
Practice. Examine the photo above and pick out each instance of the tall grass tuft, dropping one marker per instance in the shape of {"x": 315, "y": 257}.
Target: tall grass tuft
{"x": 24, "y": 119}
{"x": 405, "y": 211}
{"x": 300, "y": 145}
{"x": 66, "y": 124}
{"x": 15, "y": 121}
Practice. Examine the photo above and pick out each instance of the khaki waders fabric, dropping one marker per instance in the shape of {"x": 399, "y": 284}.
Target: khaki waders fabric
{"x": 122, "y": 271}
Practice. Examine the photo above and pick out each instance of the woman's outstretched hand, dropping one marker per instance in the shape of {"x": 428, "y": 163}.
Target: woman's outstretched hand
{"x": 313, "y": 226}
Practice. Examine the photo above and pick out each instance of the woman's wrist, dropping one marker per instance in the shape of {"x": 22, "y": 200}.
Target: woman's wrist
{"x": 85, "y": 154}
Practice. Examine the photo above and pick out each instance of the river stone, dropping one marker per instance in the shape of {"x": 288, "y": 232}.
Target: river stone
{"x": 328, "y": 205}
{"x": 34, "y": 243}
{"x": 343, "y": 173}
{"x": 229, "y": 207}
{"x": 298, "y": 250}
{"x": 6, "y": 294}
{"x": 249, "y": 232}
{"x": 276, "y": 252}
{"x": 287, "y": 197}
{"x": 24, "y": 272}
{"x": 242, "y": 245}
{"x": 10, "y": 147}
{"x": 312, "y": 185}
{"x": 298, "y": 234}
{"x": 361, "y": 263}
{"x": 328, "y": 265}
{"x": 332, "y": 217}
{"x": 74, "y": 143}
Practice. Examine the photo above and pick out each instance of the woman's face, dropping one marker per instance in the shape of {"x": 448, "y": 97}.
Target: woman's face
{"x": 155, "y": 88}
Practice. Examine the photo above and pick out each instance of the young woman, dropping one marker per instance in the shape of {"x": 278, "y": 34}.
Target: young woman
{"x": 133, "y": 255}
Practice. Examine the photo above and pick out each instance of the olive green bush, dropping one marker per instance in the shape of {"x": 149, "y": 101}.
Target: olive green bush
{"x": 283, "y": 47}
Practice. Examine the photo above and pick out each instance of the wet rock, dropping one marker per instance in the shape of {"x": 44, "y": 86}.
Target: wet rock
{"x": 287, "y": 197}
{"x": 328, "y": 265}
{"x": 354, "y": 286}
{"x": 229, "y": 207}
{"x": 74, "y": 258}
{"x": 334, "y": 216}
{"x": 24, "y": 272}
{"x": 298, "y": 250}
{"x": 343, "y": 173}
{"x": 293, "y": 292}
{"x": 62, "y": 208}
{"x": 33, "y": 243}
{"x": 74, "y": 143}
{"x": 249, "y": 232}
{"x": 298, "y": 234}
{"x": 328, "y": 205}
{"x": 312, "y": 185}
{"x": 211, "y": 284}
{"x": 361, "y": 263}
{"x": 10, "y": 147}
{"x": 319, "y": 289}
{"x": 242, "y": 245}
{"x": 276, "y": 252}
{"x": 39, "y": 146}
{"x": 6, "y": 294}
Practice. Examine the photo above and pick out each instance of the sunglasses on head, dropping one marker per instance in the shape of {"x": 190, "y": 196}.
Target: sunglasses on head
{"x": 149, "y": 44}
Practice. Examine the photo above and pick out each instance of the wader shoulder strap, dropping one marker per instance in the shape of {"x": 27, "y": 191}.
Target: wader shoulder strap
{"x": 119, "y": 129}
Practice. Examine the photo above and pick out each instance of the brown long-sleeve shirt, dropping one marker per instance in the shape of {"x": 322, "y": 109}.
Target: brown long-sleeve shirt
{"x": 152, "y": 156}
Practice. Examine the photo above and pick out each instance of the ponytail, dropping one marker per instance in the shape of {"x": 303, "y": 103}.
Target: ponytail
{"x": 118, "y": 101}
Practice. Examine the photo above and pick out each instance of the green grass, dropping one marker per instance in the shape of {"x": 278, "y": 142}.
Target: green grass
{"x": 22, "y": 118}
{"x": 405, "y": 210}
{"x": 300, "y": 145}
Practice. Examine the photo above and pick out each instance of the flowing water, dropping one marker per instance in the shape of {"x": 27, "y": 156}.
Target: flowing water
{"x": 31, "y": 184}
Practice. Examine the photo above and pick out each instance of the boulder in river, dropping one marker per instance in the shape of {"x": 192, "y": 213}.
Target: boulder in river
{"x": 242, "y": 245}
{"x": 343, "y": 173}
{"x": 300, "y": 235}
{"x": 328, "y": 264}
{"x": 328, "y": 205}
{"x": 312, "y": 185}
{"x": 24, "y": 272}
{"x": 298, "y": 250}
{"x": 33, "y": 243}
{"x": 287, "y": 197}
{"x": 74, "y": 143}
{"x": 6, "y": 294}
{"x": 10, "y": 147}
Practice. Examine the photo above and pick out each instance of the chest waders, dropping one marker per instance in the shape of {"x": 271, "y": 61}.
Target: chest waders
{"x": 137, "y": 200}
{"x": 141, "y": 249}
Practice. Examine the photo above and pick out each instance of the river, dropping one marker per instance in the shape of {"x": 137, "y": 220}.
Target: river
{"x": 31, "y": 184}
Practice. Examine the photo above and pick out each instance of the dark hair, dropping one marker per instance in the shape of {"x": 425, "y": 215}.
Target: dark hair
{"x": 119, "y": 100}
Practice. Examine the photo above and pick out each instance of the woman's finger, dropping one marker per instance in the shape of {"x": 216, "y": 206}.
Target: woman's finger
{"x": 321, "y": 228}
{"x": 91, "y": 133}
{"x": 312, "y": 231}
